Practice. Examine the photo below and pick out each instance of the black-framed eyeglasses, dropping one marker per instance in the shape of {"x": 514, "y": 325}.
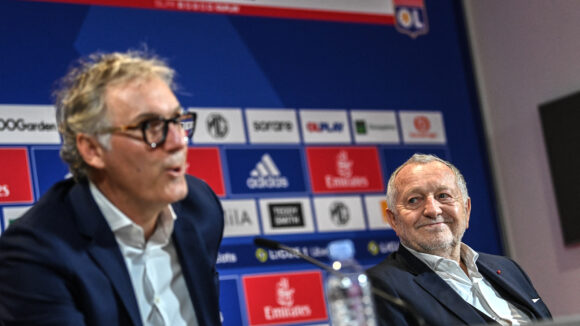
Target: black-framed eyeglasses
{"x": 155, "y": 130}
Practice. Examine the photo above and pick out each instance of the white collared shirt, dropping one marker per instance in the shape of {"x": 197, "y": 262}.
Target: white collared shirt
{"x": 473, "y": 288}
{"x": 153, "y": 266}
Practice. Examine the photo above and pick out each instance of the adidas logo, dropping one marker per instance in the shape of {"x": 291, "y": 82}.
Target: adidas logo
{"x": 266, "y": 175}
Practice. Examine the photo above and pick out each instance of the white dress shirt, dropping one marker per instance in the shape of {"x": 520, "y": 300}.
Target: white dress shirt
{"x": 153, "y": 266}
{"x": 473, "y": 288}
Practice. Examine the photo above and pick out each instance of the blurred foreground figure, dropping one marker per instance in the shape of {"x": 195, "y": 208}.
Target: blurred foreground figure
{"x": 130, "y": 239}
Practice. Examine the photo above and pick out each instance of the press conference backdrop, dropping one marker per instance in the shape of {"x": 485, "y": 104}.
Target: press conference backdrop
{"x": 303, "y": 114}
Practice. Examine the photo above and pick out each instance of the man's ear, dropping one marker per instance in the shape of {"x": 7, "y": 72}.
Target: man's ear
{"x": 391, "y": 219}
{"x": 90, "y": 150}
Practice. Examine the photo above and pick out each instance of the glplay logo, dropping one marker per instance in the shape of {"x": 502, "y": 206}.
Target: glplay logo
{"x": 266, "y": 175}
{"x": 325, "y": 126}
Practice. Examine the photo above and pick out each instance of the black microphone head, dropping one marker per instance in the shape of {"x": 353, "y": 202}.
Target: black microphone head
{"x": 266, "y": 243}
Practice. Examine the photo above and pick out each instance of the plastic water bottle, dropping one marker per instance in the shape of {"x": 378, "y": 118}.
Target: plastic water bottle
{"x": 348, "y": 291}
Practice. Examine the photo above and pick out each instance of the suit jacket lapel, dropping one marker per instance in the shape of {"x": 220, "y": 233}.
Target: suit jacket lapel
{"x": 436, "y": 287}
{"x": 196, "y": 266}
{"x": 489, "y": 271}
{"x": 103, "y": 247}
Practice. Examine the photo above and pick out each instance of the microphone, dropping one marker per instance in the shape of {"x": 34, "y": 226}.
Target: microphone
{"x": 397, "y": 302}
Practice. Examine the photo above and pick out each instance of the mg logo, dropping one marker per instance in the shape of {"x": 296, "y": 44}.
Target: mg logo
{"x": 217, "y": 125}
{"x": 339, "y": 213}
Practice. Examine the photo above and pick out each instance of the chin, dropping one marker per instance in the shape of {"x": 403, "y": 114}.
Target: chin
{"x": 176, "y": 192}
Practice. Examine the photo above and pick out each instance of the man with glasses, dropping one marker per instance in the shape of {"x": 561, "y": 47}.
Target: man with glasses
{"x": 130, "y": 239}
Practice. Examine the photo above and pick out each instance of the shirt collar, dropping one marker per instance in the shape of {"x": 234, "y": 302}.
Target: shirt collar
{"x": 125, "y": 229}
{"x": 440, "y": 264}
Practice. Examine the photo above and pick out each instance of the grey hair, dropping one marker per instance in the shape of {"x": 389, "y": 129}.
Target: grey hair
{"x": 80, "y": 97}
{"x": 419, "y": 158}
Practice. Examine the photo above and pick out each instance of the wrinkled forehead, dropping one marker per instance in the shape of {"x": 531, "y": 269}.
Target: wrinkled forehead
{"x": 433, "y": 175}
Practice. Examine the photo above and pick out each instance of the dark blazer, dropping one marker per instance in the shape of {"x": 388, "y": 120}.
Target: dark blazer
{"x": 60, "y": 263}
{"x": 406, "y": 277}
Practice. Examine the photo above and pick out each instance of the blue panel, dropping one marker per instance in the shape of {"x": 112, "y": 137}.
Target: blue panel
{"x": 48, "y": 168}
{"x": 270, "y": 170}
{"x": 230, "y": 303}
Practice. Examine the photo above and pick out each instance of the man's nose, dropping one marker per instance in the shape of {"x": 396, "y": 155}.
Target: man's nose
{"x": 176, "y": 137}
{"x": 432, "y": 207}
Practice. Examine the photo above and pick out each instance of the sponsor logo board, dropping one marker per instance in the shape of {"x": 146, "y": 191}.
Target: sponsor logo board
{"x": 13, "y": 213}
{"x": 374, "y": 127}
{"x": 241, "y": 218}
{"x": 361, "y": 11}
{"x": 265, "y": 170}
{"x": 422, "y": 127}
{"x": 28, "y": 124}
{"x": 15, "y": 182}
{"x": 382, "y": 247}
{"x": 339, "y": 213}
{"x": 276, "y": 299}
{"x": 376, "y": 206}
{"x": 286, "y": 215}
{"x": 325, "y": 126}
{"x": 205, "y": 163}
{"x": 272, "y": 126}
{"x": 219, "y": 125}
{"x": 344, "y": 169}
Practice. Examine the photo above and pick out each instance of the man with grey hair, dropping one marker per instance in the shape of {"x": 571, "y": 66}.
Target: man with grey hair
{"x": 444, "y": 280}
{"x": 130, "y": 239}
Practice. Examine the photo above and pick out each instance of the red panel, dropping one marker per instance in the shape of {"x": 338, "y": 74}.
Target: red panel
{"x": 274, "y": 299}
{"x": 344, "y": 169}
{"x": 15, "y": 182}
{"x": 205, "y": 163}
{"x": 237, "y": 9}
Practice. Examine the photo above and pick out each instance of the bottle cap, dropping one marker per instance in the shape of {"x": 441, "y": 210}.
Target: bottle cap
{"x": 341, "y": 249}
